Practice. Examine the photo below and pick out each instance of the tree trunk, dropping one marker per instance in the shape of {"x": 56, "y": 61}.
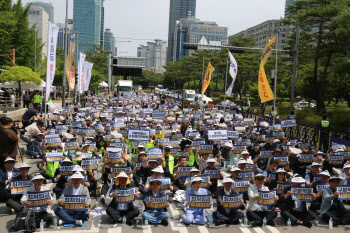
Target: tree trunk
{"x": 317, "y": 91}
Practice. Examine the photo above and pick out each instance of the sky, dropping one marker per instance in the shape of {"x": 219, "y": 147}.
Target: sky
{"x": 146, "y": 20}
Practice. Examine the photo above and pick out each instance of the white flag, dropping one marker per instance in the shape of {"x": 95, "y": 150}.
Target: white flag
{"x": 233, "y": 73}
{"x": 51, "y": 58}
{"x": 81, "y": 73}
{"x": 87, "y": 72}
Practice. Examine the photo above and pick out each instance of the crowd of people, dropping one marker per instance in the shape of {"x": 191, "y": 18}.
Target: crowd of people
{"x": 144, "y": 146}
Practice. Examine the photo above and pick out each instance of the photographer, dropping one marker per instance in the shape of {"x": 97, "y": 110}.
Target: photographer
{"x": 29, "y": 114}
{"x": 9, "y": 137}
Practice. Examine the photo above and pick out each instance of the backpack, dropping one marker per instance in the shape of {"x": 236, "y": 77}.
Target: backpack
{"x": 24, "y": 222}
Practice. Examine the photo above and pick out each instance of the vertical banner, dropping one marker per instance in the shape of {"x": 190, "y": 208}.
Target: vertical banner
{"x": 264, "y": 88}
{"x": 81, "y": 73}
{"x": 233, "y": 73}
{"x": 207, "y": 77}
{"x": 87, "y": 70}
{"x": 51, "y": 58}
{"x": 69, "y": 66}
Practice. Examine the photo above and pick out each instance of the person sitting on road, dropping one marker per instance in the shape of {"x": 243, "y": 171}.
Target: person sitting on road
{"x": 116, "y": 210}
{"x": 72, "y": 216}
{"x": 155, "y": 216}
{"x": 195, "y": 215}
{"x": 41, "y": 211}
{"x": 6, "y": 176}
{"x": 226, "y": 215}
{"x": 36, "y": 148}
{"x": 255, "y": 212}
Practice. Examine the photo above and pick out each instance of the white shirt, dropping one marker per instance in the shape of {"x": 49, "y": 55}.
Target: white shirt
{"x": 253, "y": 191}
{"x": 227, "y": 192}
{"x": 9, "y": 176}
{"x": 197, "y": 193}
{"x": 76, "y": 191}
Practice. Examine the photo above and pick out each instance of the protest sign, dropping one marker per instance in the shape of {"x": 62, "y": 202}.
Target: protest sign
{"x": 158, "y": 202}
{"x": 200, "y": 201}
{"x": 67, "y": 170}
{"x": 115, "y": 157}
{"x": 241, "y": 186}
{"x": 217, "y": 134}
{"x": 89, "y": 164}
{"x": 155, "y": 153}
{"x": 267, "y": 198}
{"x": 214, "y": 173}
{"x": 288, "y": 123}
{"x": 72, "y": 146}
{"x": 281, "y": 187}
{"x": 139, "y": 135}
{"x": 344, "y": 192}
{"x": 54, "y": 156}
{"x": 232, "y": 134}
{"x": 206, "y": 149}
{"x": 302, "y": 194}
{"x": 246, "y": 175}
{"x": 115, "y": 171}
{"x": 232, "y": 202}
{"x": 165, "y": 183}
{"x": 19, "y": 186}
{"x": 75, "y": 202}
{"x": 184, "y": 171}
{"x": 345, "y": 154}
{"x": 336, "y": 160}
{"x": 266, "y": 154}
{"x": 53, "y": 142}
{"x": 38, "y": 199}
{"x": 306, "y": 158}
{"x": 321, "y": 187}
{"x": 238, "y": 149}
{"x": 124, "y": 195}
{"x": 282, "y": 160}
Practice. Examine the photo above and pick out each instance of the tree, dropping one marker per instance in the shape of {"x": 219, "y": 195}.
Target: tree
{"x": 20, "y": 74}
{"x": 318, "y": 18}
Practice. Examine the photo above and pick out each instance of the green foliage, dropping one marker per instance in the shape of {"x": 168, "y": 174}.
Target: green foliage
{"x": 15, "y": 33}
{"x": 20, "y": 74}
{"x": 194, "y": 86}
{"x": 149, "y": 79}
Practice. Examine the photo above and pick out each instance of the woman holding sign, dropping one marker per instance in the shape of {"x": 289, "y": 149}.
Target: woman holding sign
{"x": 156, "y": 204}
{"x": 38, "y": 198}
{"x": 227, "y": 211}
{"x": 195, "y": 215}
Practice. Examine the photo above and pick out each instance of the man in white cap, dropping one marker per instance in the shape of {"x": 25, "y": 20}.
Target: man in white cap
{"x": 296, "y": 210}
{"x": 158, "y": 172}
{"x": 195, "y": 215}
{"x": 116, "y": 210}
{"x": 332, "y": 207}
{"x": 71, "y": 216}
{"x": 255, "y": 212}
{"x": 155, "y": 216}
{"x": 168, "y": 162}
{"x": 14, "y": 202}
{"x": 7, "y": 173}
{"x": 61, "y": 180}
{"x": 318, "y": 188}
{"x": 345, "y": 174}
{"x": 208, "y": 170}
{"x": 227, "y": 215}
{"x": 41, "y": 211}
{"x": 35, "y": 149}
{"x": 313, "y": 176}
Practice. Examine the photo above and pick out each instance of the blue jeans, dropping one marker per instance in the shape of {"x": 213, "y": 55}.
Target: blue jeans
{"x": 194, "y": 217}
{"x": 25, "y": 139}
{"x": 155, "y": 217}
{"x": 32, "y": 153}
{"x": 70, "y": 216}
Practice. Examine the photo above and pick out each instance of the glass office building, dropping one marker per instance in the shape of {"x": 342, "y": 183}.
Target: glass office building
{"x": 178, "y": 9}
{"x": 87, "y": 21}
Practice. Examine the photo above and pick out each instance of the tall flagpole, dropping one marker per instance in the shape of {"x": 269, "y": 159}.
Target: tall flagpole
{"x": 226, "y": 83}
{"x": 65, "y": 56}
{"x": 203, "y": 79}
{"x": 275, "y": 81}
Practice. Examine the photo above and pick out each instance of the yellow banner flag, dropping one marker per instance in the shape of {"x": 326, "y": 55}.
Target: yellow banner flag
{"x": 264, "y": 88}
{"x": 207, "y": 77}
{"x": 68, "y": 67}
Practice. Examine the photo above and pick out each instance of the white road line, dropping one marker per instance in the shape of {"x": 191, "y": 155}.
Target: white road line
{"x": 116, "y": 228}
{"x": 258, "y": 230}
{"x": 244, "y": 229}
{"x": 273, "y": 229}
{"x": 146, "y": 229}
{"x": 175, "y": 225}
{"x": 203, "y": 229}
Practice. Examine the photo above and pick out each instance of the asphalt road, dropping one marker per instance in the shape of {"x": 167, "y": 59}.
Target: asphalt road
{"x": 101, "y": 223}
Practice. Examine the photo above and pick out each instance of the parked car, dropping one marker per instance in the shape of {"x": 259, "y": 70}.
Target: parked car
{"x": 303, "y": 104}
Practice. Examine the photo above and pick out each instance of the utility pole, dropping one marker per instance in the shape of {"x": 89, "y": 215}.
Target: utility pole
{"x": 295, "y": 67}
{"x": 76, "y": 65}
{"x": 109, "y": 72}
{"x": 34, "y": 49}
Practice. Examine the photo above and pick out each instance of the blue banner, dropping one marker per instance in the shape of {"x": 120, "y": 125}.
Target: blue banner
{"x": 344, "y": 192}
{"x": 38, "y": 199}
{"x": 267, "y": 198}
{"x": 158, "y": 202}
{"x": 232, "y": 202}
{"x": 214, "y": 173}
{"x": 19, "y": 186}
{"x": 200, "y": 201}
{"x": 125, "y": 195}
{"x": 241, "y": 186}
{"x": 89, "y": 164}
{"x": 184, "y": 171}
{"x": 302, "y": 194}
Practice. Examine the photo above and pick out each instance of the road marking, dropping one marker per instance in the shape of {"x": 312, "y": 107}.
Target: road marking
{"x": 116, "y": 228}
{"x": 203, "y": 229}
{"x": 273, "y": 229}
{"x": 175, "y": 225}
{"x": 146, "y": 229}
{"x": 244, "y": 229}
{"x": 258, "y": 230}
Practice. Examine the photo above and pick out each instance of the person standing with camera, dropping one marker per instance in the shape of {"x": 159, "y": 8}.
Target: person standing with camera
{"x": 9, "y": 137}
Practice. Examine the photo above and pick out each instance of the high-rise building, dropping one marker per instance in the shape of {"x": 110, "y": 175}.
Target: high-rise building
{"x": 38, "y": 16}
{"x": 265, "y": 31}
{"x": 155, "y": 54}
{"x": 192, "y": 30}
{"x": 178, "y": 10}
{"x": 60, "y": 38}
{"x": 48, "y": 7}
{"x": 87, "y": 21}
{"x": 288, "y": 3}
{"x": 102, "y": 23}
{"x": 109, "y": 41}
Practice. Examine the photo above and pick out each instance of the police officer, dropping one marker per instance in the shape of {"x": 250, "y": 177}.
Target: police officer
{"x": 324, "y": 139}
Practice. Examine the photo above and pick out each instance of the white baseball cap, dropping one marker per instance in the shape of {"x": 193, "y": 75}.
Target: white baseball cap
{"x": 77, "y": 175}
{"x": 227, "y": 180}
